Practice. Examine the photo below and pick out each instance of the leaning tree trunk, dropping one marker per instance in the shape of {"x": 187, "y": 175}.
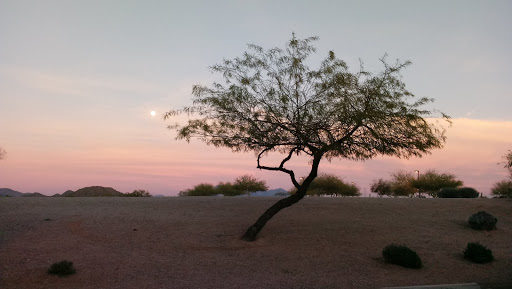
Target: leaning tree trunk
{"x": 252, "y": 232}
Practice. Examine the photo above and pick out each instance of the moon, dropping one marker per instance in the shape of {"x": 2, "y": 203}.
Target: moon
{"x": 153, "y": 113}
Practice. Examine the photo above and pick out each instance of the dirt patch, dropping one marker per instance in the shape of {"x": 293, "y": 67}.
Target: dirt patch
{"x": 193, "y": 242}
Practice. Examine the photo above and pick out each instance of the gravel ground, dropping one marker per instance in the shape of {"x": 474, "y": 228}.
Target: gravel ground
{"x": 194, "y": 242}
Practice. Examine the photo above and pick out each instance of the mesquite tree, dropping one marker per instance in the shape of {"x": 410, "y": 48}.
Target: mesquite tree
{"x": 271, "y": 101}
{"x": 508, "y": 162}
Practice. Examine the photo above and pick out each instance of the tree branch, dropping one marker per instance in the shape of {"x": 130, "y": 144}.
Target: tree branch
{"x": 281, "y": 167}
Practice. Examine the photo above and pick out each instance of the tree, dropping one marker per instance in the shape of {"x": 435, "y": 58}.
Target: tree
{"x": 271, "y": 101}
{"x": 381, "y": 187}
{"x": 401, "y": 185}
{"x": 139, "y": 193}
{"x": 502, "y": 189}
{"x": 508, "y": 162}
{"x": 249, "y": 184}
{"x": 3, "y": 153}
{"x": 431, "y": 182}
{"x": 331, "y": 185}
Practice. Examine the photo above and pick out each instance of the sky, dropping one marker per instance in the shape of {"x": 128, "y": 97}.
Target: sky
{"x": 78, "y": 80}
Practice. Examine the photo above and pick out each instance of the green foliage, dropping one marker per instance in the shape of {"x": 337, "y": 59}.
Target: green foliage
{"x": 431, "y": 182}
{"x": 326, "y": 184}
{"x": 381, "y": 187}
{"x": 201, "y": 190}
{"x": 478, "y": 253}
{"x": 508, "y": 161}
{"x": 401, "y": 255}
{"x": 62, "y": 268}
{"x": 502, "y": 189}
{"x": 458, "y": 193}
{"x": 138, "y": 193}
{"x": 242, "y": 185}
{"x": 401, "y": 184}
{"x": 248, "y": 184}
{"x": 227, "y": 189}
{"x": 270, "y": 100}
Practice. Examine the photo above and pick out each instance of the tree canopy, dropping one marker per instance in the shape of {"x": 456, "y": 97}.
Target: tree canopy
{"x": 382, "y": 187}
{"x": 272, "y": 101}
{"x": 432, "y": 182}
{"x": 508, "y": 161}
{"x": 3, "y": 153}
{"x": 249, "y": 184}
{"x": 502, "y": 189}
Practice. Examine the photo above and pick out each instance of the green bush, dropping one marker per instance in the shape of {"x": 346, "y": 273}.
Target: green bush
{"x": 502, "y": 189}
{"x": 62, "y": 268}
{"x": 478, "y": 253}
{"x": 242, "y": 185}
{"x": 458, "y": 193}
{"x": 401, "y": 255}
{"x": 201, "y": 190}
{"x": 249, "y": 184}
{"x": 228, "y": 189}
{"x": 138, "y": 193}
{"x": 326, "y": 184}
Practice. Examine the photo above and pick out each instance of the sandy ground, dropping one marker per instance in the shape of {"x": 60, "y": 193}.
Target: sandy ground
{"x": 193, "y": 242}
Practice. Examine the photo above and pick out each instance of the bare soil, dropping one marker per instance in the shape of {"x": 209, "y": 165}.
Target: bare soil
{"x": 194, "y": 242}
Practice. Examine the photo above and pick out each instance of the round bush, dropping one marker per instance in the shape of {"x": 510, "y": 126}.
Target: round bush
{"x": 483, "y": 221}
{"x": 62, "y": 268}
{"x": 401, "y": 255}
{"x": 478, "y": 253}
{"x": 458, "y": 193}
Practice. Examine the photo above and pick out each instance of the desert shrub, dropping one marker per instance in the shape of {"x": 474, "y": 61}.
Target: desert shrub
{"x": 249, "y": 184}
{"x": 138, "y": 193}
{"x": 202, "y": 190}
{"x": 401, "y": 255}
{"x": 242, "y": 185}
{"x": 447, "y": 193}
{"x": 227, "y": 189}
{"x": 478, "y": 253}
{"x": 458, "y": 193}
{"x": 483, "y": 221}
{"x": 326, "y": 184}
{"x": 502, "y": 189}
{"x": 466, "y": 192}
{"x": 62, "y": 268}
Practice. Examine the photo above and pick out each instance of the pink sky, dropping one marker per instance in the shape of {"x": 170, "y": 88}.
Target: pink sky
{"x": 77, "y": 86}
{"x": 53, "y": 163}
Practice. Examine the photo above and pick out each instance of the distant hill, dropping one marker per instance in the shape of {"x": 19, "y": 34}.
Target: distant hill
{"x": 5, "y": 192}
{"x": 33, "y": 195}
{"x": 94, "y": 191}
{"x": 65, "y": 194}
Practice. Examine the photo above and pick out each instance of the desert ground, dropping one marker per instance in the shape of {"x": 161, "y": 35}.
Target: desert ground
{"x": 194, "y": 242}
